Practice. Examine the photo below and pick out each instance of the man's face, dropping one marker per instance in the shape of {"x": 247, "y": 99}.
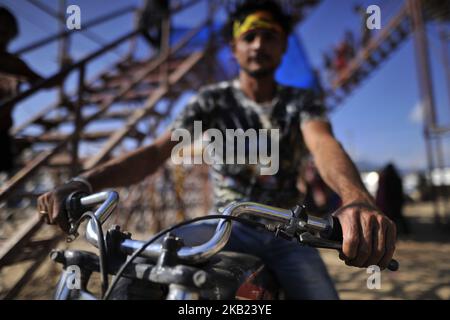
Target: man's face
{"x": 259, "y": 52}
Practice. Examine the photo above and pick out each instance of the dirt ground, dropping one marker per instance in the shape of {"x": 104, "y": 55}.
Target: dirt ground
{"x": 424, "y": 259}
{"x": 424, "y": 273}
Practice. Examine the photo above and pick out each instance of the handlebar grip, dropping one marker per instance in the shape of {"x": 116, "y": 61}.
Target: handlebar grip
{"x": 73, "y": 206}
{"x": 336, "y": 231}
{"x": 336, "y": 235}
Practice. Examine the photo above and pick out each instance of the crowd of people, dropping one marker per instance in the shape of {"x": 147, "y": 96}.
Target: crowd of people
{"x": 338, "y": 58}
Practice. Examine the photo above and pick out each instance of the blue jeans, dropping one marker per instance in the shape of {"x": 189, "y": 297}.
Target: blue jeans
{"x": 299, "y": 269}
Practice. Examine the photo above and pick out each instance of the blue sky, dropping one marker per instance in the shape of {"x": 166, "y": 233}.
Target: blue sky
{"x": 379, "y": 122}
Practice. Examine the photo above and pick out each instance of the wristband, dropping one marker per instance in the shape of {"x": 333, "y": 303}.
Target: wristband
{"x": 83, "y": 181}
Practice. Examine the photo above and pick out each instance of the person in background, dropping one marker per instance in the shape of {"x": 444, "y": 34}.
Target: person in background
{"x": 327, "y": 58}
{"x": 366, "y": 33}
{"x": 390, "y": 197}
{"x": 340, "y": 62}
{"x": 349, "y": 39}
{"x": 151, "y": 20}
{"x": 13, "y": 72}
{"x": 319, "y": 198}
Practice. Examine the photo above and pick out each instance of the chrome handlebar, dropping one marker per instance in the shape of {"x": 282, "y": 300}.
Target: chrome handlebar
{"x": 202, "y": 253}
{"x": 196, "y": 254}
{"x": 310, "y": 230}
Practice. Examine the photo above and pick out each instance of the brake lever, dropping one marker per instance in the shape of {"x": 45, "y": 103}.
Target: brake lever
{"x": 297, "y": 222}
{"x": 74, "y": 210}
{"x": 311, "y": 240}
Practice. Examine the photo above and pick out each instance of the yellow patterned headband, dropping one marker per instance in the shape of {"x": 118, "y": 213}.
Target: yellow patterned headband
{"x": 257, "y": 20}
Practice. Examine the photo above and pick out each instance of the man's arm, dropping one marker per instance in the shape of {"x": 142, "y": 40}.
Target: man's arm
{"x": 369, "y": 236}
{"x": 131, "y": 167}
{"x": 122, "y": 171}
{"x": 14, "y": 65}
{"x": 334, "y": 164}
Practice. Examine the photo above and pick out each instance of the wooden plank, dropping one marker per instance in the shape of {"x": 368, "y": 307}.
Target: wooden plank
{"x": 55, "y": 137}
{"x": 28, "y": 230}
{"x": 28, "y": 252}
{"x": 9, "y": 186}
{"x": 62, "y": 160}
{"x": 120, "y": 114}
{"x": 141, "y": 113}
{"x": 66, "y": 71}
{"x": 24, "y": 173}
{"x": 140, "y": 76}
{"x": 26, "y": 277}
{"x": 116, "y": 80}
{"x": 133, "y": 95}
{"x": 42, "y": 114}
{"x": 112, "y": 115}
{"x": 35, "y": 118}
{"x": 369, "y": 50}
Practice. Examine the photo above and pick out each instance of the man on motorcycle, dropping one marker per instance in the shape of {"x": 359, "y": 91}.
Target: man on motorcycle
{"x": 258, "y": 33}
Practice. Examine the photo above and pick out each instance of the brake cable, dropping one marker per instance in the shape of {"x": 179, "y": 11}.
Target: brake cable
{"x": 163, "y": 232}
{"x": 101, "y": 247}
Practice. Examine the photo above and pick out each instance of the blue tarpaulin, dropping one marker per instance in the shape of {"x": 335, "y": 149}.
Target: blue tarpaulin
{"x": 295, "y": 69}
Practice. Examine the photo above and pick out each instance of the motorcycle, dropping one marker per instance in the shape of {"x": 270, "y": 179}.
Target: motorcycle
{"x": 174, "y": 266}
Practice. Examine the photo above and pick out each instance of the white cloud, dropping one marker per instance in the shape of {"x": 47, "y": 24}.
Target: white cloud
{"x": 417, "y": 115}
